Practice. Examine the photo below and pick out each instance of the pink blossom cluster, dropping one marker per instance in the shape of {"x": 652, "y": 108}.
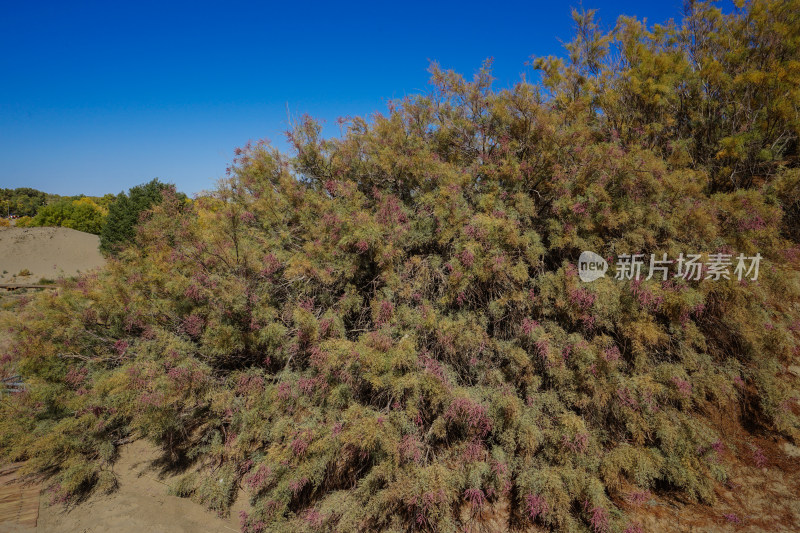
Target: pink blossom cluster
{"x": 759, "y": 458}
{"x": 306, "y": 304}
{"x": 271, "y": 265}
{"x": 528, "y": 325}
{"x": 308, "y": 386}
{"x": 753, "y": 223}
{"x": 257, "y": 480}
{"x": 639, "y": 497}
{"x": 467, "y": 258}
{"x": 180, "y": 375}
{"x": 285, "y": 390}
{"x": 193, "y": 292}
{"x": 390, "y": 212}
{"x": 475, "y": 232}
{"x": 421, "y": 507}
{"x": 536, "y": 506}
{"x": 379, "y": 341}
{"x": 611, "y": 354}
{"x": 296, "y": 485}
{"x": 625, "y": 397}
{"x": 473, "y": 451}
{"x": 249, "y": 384}
{"x": 579, "y": 208}
{"x": 410, "y": 449}
{"x": 684, "y": 387}
{"x": 151, "y": 399}
{"x": 325, "y": 326}
{"x": 76, "y": 376}
{"x": 193, "y": 325}
{"x": 385, "y": 312}
{"x": 582, "y": 298}
{"x": 432, "y": 366}
{"x": 121, "y": 346}
{"x": 543, "y": 349}
{"x": 300, "y": 443}
{"x": 732, "y": 518}
{"x": 475, "y": 498}
{"x": 314, "y": 518}
{"x": 646, "y": 298}
{"x": 598, "y": 518}
{"x": 470, "y": 413}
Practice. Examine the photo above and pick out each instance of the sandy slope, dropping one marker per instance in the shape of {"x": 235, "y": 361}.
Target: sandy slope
{"x": 46, "y": 253}
{"x": 140, "y": 504}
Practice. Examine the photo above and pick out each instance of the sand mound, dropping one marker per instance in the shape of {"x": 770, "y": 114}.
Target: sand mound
{"x": 46, "y": 253}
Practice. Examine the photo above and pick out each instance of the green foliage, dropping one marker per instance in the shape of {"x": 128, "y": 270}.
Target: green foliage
{"x": 82, "y": 214}
{"x": 125, "y": 211}
{"x": 26, "y": 204}
{"x": 112, "y": 217}
{"x": 21, "y": 202}
{"x": 387, "y": 331}
{"x": 715, "y": 91}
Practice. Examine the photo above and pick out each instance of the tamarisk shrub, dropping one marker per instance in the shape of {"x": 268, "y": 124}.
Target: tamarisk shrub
{"x": 378, "y": 331}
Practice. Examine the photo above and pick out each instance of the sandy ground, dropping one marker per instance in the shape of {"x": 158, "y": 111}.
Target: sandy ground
{"x": 47, "y": 253}
{"x": 141, "y": 503}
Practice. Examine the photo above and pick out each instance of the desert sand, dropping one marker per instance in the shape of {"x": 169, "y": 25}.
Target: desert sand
{"x": 140, "y": 504}
{"x": 46, "y": 253}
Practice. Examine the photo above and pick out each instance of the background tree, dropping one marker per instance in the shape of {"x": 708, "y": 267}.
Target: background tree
{"x": 21, "y": 202}
{"x": 124, "y": 213}
{"x": 82, "y": 214}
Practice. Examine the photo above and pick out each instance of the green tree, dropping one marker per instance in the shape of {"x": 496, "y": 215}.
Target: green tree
{"x": 124, "y": 213}
{"x": 717, "y": 91}
{"x": 82, "y": 214}
{"x": 23, "y": 201}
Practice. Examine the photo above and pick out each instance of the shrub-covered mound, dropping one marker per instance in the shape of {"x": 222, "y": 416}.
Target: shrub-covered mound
{"x": 387, "y": 331}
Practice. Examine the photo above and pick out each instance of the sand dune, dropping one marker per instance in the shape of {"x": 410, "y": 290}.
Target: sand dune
{"x": 46, "y": 253}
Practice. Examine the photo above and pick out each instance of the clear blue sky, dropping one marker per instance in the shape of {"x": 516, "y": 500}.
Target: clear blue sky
{"x": 98, "y": 97}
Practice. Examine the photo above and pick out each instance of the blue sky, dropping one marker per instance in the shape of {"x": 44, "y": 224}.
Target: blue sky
{"x": 98, "y": 97}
